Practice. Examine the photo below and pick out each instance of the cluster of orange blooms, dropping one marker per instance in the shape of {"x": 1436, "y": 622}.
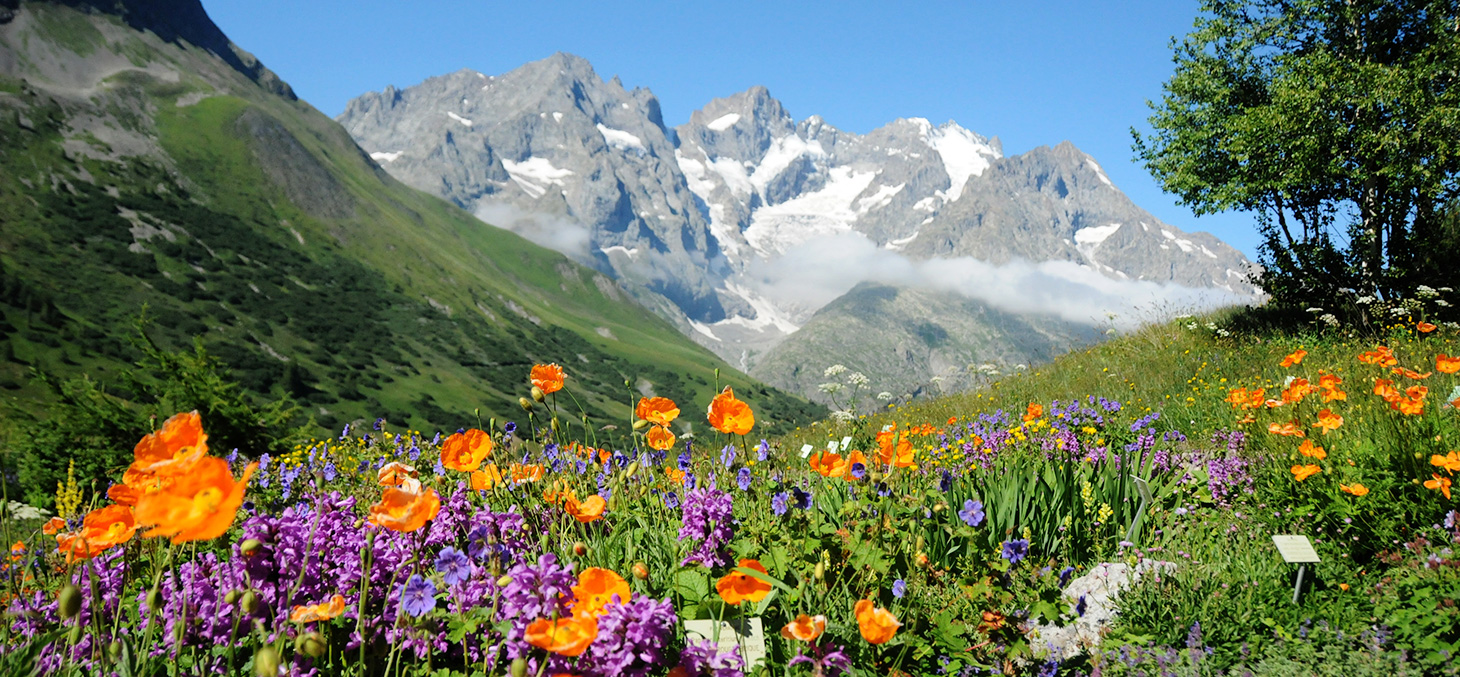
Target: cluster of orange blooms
{"x": 726, "y": 414}
{"x": 172, "y": 486}
{"x": 1450, "y": 463}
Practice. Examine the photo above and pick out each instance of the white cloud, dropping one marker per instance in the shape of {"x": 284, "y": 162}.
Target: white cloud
{"x": 815, "y": 272}
{"x": 555, "y": 232}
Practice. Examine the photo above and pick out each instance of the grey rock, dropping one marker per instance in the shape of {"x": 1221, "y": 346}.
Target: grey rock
{"x": 1099, "y": 587}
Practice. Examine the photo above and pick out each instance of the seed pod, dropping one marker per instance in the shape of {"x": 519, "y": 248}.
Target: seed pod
{"x": 231, "y": 598}
{"x": 311, "y": 644}
{"x": 249, "y": 602}
{"x": 580, "y": 548}
{"x": 519, "y": 667}
{"x": 538, "y": 394}
{"x": 69, "y": 601}
{"x": 250, "y": 546}
{"x": 640, "y": 425}
{"x": 641, "y": 571}
{"x": 633, "y": 469}
{"x": 525, "y": 403}
{"x": 266, "y": 662}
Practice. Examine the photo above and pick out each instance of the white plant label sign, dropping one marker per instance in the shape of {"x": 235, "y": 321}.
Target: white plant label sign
{"x": 748, "y": 641}
{"x": 1295, "y": 549}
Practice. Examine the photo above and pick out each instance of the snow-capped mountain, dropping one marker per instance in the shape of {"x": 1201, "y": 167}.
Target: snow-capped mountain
{"x": 706, "y": 221}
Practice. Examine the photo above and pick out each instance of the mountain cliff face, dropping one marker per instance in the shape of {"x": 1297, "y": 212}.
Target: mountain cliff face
{"x": 706, "y": 218}
{"x": 146, "y": 161}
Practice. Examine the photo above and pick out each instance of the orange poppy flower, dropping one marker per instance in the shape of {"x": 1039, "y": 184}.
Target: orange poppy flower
{"x": 1307, "y": 448}
{"x": 736, "y": 587}
{"x": 548, "y": 377}
{"x": 729, "y": 415}
{"x": 588, "y": 510}
{"x": 675, "y": 475}
{"x": 1327, "y": 421}
{"x": 486, "y": 478}
{"x": 1385, "y": 388}
{"x": 53, "y": 525}
{"x": 324, "y": 611}
{"x": 1450, "y": 461}
{"x": 1303, "y": 472}
{"x": 1296, "y": 391}
{"x": 466, "y": 451}
{"x": 852, "y": 459}
{"x": 1416, "y": 392}
{"x": 952, "y": 420}
{"x": 1329, "y": 384}
{"x": 404, "y": 511}
{"x": 877, "y": 625}
{"x": 1237, "y": 397}
{"x": 1379, "y": 356}
{"x": 657, "y": 410}
{"x": 805, "y": 628}
{"x": 1355, "y": 489}
{"x": 520, "y": 473}
{"x": 901, "y": 456}
{"x": 1289, "y": 429}
{"x": 198, "y": 506}
{"x": 1295, "y": 358}
{"x": 181, "y": 437}
{"x": 1408, "y": 407}
{"x": 395, "y": 474}
{"x": 1425, "y": 327}
{"x": 102, "y": 529}
{"x": 556, "y": 492}
{"x": 1410, "y": 373}
{"x": 1446, "y": 364}
{"x": 1256, "y": 398}
{"x": 659, "y": 437}
{"x": 1033, "y": 411}
{"x": 596, "y": 589}
{"x": 829, "y": 464}
{"x": 566, "y": 636}
{"x": 992, "y": 620}
{"x": 1442, "y": 484}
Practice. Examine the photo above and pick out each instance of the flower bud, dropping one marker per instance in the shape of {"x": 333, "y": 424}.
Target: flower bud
{"x": 69, "y": 601}
{"x": 249, "y": 602}
{"x": 114, "y": 650}
{"x": 504, "y": 581}
{"x": 633, "y": 469}
{"x": 311, "y": 644}
{"x": 641, "y": 571}
{"x": 922, "y": 559}
{"x": 940, "y": 507}
{"x": 918, "y": 544}
{"x": 580, "y": 548}
{"x": 154, "y": 598}
{"x": 820, "y": 571}
{"x": 231, "y": 598}
{"x": 75, "y": 635}
{"x": 250, "y": 546}
{"x": 519, "y": 667}
{"x": 538, "y": 394}
{"x": 526, "y": 403}
{"x": 266, "y": 662}
{"x": 640, "y": 425}
{"x": 554, "y": 424}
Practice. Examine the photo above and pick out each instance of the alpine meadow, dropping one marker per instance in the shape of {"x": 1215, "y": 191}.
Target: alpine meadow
{"x": 500, "y": 374}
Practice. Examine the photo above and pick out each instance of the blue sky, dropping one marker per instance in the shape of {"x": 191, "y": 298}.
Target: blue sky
{"x": 1031, "y": 73}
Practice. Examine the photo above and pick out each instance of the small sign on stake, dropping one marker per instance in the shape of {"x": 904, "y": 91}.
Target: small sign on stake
{"x": 806, "y": 450}
{"x": 847, "y": 441}
{"x": 744, "y": 637}
{"x": 1296, "y": 550}
{"x": 832, "y": 446}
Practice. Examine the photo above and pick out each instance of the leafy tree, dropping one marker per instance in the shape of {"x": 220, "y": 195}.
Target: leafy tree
{"x": 97, "y": 429}
{"x": 1337, "y": 122}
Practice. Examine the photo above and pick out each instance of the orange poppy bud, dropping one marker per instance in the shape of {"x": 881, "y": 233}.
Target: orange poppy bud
{"x": 318, "y": 612}
{"x": 729, "y": 415}
{"x": 404, "y": 511}
{"x": 596, "y": 589}
{"x": 641, "y": 570}
{"x": 566, "y": 636}
{"x": 466, "y": 451}
{"x": 877, "y": 625}
{"x": 805, "y": 628}
{"x": 736, "y": 587}
{"x": 548, "y": 377}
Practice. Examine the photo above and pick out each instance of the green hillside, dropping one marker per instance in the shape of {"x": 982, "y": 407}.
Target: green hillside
{"x": 141, "y": 172}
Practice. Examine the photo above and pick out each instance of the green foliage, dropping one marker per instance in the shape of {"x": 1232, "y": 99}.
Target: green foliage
{"x": 1338, "y": 124}
{"x": 96, "y": 427}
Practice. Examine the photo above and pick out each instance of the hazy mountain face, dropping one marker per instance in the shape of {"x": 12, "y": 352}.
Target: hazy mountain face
{"x": 742, "y": 223}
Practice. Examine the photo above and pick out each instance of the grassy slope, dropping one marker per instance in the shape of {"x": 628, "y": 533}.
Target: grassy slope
{"x": 363, "y": 335}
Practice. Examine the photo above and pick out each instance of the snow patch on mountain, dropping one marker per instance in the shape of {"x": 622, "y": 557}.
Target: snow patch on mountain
{"x": 775, "y": 228}
{"x": 964, "y": 154}
{"x": 621, "y": 139}
{"x": 458, "y": 118}
{"x": 534, "y": 175}
{"x": 386, "y": 157}
{"x": 723, "y": 122}
{"x": 779, "y": 156}
{"x": 1099, "y": 172}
